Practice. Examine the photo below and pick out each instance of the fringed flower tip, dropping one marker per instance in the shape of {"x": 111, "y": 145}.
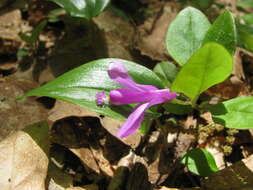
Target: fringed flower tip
{"x": 100, "y": 98}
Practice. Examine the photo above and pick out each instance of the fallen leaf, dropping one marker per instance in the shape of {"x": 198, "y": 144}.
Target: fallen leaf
{"x": 64, "y": 109}
{"x": 152, "y": 32}
{"x": 238, "y": 176}
{"x": 167, "y": 188}
{"x": 23, "y": 159}
{"x": 58, "y": 179}
{"x": 15, "y": 115}
{"x": 86, "y": 187}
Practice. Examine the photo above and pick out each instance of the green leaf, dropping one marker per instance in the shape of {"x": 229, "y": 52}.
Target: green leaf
{"x": 245, "y": 4}
{"x": 22, "y": 53}
{"x": 210, "y": 65}
{"x": 235, "y": 113}
{"x": 83, "y": 8}
{"x": 223, "y": 31}
{"x": 39, "y": 132}
{"x": 178, "y": 109}
{"x": 80, "y": 85}
{"x": 145, "y": 125}
{"x": 185, "y": 34}
{"x": 202, "y": 4}
{"x": 200, "y": 162}
{"x": 31, "y": 39}
{"x": 248, "y": 19}
{"x": 245, "y": 36}
{"x": 37, "y": 30}
{"x": 26, "y": 38}
{"x": 167, "y": 72}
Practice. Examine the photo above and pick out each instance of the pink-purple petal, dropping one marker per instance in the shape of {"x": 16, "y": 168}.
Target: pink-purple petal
{"x": 133, "y": 121}
{"x": 119, "y": 74}
{"x": 100, "y": 98}
{"x": 127, "y": 96}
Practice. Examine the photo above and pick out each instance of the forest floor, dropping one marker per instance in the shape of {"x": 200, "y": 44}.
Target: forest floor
{"x": 82, "y": 152}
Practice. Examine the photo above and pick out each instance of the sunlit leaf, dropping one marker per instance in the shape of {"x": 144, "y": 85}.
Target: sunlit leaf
{"x": 185, "y": 34}
{"x": 80, "y": 85}
{"x": 223, "y": 31}
{"x": 210, "y": 65}
{"x": 200, "y": 162}
{"x": 83, "y": 8}
{"x": 235, "y": 113}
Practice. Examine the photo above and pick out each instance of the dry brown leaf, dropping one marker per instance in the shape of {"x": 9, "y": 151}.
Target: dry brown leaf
{"x": 86, "y": 187}
{"x": 118, "y": 33}
{"x": 238, "y": 176}
{"x": 15, "y": 115}
{"x": 64, "y": 109}
{"x": 152, "y": 32}
{"x": 23, "y": 159}
{"x": 167, "y": 188}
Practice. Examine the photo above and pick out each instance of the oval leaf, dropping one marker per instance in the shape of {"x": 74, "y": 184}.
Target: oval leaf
{"x": 223, "y": 31}
{"x": 178, "y": 109}
{"x": 167, "y": 72}
{"x": 80, "y": 85}
{"x": 83, "y": 8}
{"x": 186, "y": 33}
{"x": 235, "y": 113}
{"x": 245, "y": 36}
{"x": 200, "y": 162}
{"x": 210, "y": 65}
{"x": 245, "y": 4}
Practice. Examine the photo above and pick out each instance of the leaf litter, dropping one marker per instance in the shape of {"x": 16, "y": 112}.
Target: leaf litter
{"x": 84, "y": 153}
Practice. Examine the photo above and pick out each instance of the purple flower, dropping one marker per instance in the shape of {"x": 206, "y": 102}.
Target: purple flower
{"x": 100, "y": 98}
{"x": 146, "y": 95}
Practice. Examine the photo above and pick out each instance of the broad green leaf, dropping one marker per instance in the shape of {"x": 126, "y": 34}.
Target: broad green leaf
{"x": 245, "y": 4}
{"x": 185, "y": 34}
{"x": 200, "y": 162}
{"x": 235, "y": 113}
{"x": 248, "y": 19}
{"x": 80, "y": 85}
{"x": 202, "y": 4}
{"x": 179, "y": 109}
{"x": 208, "y": 66}
{"x": 83, "y": 8}
{"x": 223, "y": 31}
{"x": 167, "y": 72}
{"x": 245, "y": 36}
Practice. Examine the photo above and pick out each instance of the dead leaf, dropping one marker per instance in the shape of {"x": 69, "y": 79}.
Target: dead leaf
{"x": 119, "y": 34}
{"x": 86, "y": 187}
{"x": 152, "y": 32}
{"x": 64, "y": 109}
{"x": 10, "y": 25}
{"x": 15, "y": 115}
{"x": 23, "y": 159}
{"x": 238, "y": 176}
{"x": 58, "y": 179}
{"x": 85, "y": 137}
{"x": 230, "y": 88}
{"x": 167, "y": 188}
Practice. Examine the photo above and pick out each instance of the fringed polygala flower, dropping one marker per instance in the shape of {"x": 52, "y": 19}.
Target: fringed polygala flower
{"x": 132, "y": 93}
